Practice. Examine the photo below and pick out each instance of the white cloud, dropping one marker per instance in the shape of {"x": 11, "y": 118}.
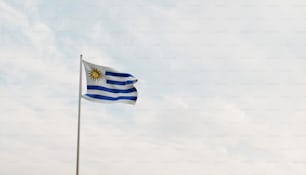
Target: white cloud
{"x": 218, "y": 94}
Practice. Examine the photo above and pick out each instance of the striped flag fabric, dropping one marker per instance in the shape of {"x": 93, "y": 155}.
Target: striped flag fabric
{"x": 107, "y": 85}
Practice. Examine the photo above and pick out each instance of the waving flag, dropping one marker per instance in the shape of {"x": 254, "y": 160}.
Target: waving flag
{"x": 104, "y": 84}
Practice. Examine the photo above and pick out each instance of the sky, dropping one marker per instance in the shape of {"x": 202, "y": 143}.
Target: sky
{"x": 221, "y": 87}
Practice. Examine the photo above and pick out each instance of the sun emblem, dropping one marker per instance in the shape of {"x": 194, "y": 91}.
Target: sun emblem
{"x": 95, "y": 74}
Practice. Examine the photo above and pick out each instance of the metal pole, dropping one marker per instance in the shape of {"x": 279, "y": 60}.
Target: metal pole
{"x": 79, "y": 118}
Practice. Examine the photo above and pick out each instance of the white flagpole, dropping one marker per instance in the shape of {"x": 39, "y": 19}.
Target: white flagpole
{"x": 79, "y": 118}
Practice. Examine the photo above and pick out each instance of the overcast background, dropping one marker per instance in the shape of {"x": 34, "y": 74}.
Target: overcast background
{"x": 222, "y": 87}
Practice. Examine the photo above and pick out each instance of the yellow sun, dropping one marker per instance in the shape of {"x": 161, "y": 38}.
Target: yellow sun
{"x": 95, "y": 74}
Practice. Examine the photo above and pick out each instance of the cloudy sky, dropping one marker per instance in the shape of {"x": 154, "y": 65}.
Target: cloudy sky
{"x": 221, "y": 87}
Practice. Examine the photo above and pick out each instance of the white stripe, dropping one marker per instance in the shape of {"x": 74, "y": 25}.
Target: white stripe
{"x": 109, "y": 101}
{"x": 110, "y": 94}
{"x": 112, "y": 86}
{"x": 121, "y": 87}
{"x": 120, "y": 78}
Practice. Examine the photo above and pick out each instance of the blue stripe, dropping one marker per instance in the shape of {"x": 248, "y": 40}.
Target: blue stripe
{"x": 101, "y": 97}
{"x": 120, "y": 82}
{"x": 118, "y": 74}
{"x": 101, "y": 88}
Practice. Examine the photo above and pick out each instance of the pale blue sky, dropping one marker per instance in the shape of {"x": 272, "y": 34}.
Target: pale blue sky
{"x": 221, "y": 87}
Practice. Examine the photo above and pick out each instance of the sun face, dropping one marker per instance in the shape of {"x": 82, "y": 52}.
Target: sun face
{"x": 95, "y": 74}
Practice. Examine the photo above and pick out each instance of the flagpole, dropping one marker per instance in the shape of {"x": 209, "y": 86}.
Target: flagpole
{"x": 79, "y": 118}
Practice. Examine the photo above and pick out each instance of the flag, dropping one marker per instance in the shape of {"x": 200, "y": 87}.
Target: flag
{"x": 104, "y": 84}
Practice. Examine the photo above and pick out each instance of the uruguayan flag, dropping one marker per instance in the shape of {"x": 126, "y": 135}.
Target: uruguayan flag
{"x": 105, "y": 84}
